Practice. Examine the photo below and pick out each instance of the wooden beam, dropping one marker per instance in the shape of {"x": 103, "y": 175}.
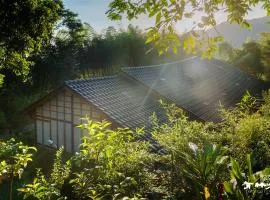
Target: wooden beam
{"x": 72, "y": 125}
{"x": 43, "y": 99}
{"x": 81, "y": 116}
{"x": 36, "y": 130}
{"x": 50, "y": 113}
{"x": 57, "y": 132}
{"x": 42, "y": 126}
{"x": 48, "y": 119}
{"x": 65, "y": 144}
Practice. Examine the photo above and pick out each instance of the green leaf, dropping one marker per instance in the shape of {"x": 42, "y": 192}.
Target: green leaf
{"x": 175, "y": 49}
{"x": 1, "y": 80}
{"x": 228, "y": 187}
{"x": 158, "y": 17}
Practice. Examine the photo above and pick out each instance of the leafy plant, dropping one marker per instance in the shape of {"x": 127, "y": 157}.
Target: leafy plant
{"x": 44, "y": 188}
{"x": 194, "y": 169}
{"x": 14, "y": 158}
{"x": 110, "y": 162}
{"x": 246, "y": 129}
{"x": 203, "y": 169}
{"x": 243, "y": 185}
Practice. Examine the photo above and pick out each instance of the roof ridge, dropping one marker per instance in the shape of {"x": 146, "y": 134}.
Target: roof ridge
{"x": 158, "y": 65}
{"x": 91, "y": 79}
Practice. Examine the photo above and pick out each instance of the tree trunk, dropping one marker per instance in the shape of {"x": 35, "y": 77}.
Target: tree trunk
{"x": 11, "y": 187}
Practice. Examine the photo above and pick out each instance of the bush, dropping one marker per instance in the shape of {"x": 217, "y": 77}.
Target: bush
{"x": 246, "y": 129}
{"x": 191, "y": 162}
{"x": 44, "y": 188}
{"x": 14, "y": 159}
{"x": 114, "y": 164}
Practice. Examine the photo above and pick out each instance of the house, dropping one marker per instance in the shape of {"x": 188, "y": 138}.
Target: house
{"x": 129, "y": 98}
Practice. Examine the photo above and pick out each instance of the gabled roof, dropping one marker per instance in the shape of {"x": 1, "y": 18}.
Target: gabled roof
{"x": 125, "y": 102}
{"x": 197, "y": 85}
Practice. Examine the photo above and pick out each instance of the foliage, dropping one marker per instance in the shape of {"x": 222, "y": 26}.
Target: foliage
{"x": 226, "y": 51}
{"x": 252, "y": 57}
{"x": 50, "y": 188}
{"x": 175, "y": 134}
{"x": 246, "y": 129}
{"x": 194, "y": 165}
{"x": 249, "y": 58}
{"x": 167, "y": 13}
{"x": 110, "y": 163}
{"x": 79, "y": 51}
{"x": 116, "y": 164}
{"x": 11, "y": 105}
{"x": 26, "y": 27}
{"x": 265, "y": 51}
{"x": 240, "y": 185}
{"x": 28, "y": 30}
{"x": 203, "y": 170}
{"x": 14, "y": 159}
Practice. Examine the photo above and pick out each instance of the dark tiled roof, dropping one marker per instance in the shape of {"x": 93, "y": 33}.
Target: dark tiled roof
{"x": 126, "y": 102}
{"x": 197, "y": 85}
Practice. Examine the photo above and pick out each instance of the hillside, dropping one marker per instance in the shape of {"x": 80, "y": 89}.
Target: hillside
{"x": 236, "y": 36}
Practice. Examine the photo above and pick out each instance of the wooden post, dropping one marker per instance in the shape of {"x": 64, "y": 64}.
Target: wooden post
{"x": 64, "y": 97}
{"x": 57, "y": 133}
{"x": 72, "y": 125}
{"x": 42, "y": 122}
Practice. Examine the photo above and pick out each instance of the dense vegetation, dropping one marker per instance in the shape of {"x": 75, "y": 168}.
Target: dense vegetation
{"x": 228, "y": 160}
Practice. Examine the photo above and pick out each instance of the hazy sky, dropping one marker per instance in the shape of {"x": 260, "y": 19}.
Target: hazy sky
{"x": 93, "y": 12}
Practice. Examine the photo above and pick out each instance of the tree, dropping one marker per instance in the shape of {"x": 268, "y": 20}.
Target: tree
{"x": 226, "y": 51}
{"x": 248, "y": 58}
{"x": 167, "y": 13}
{"x": 26, "y": 27}
{"x": 265, "y": 52}
{"x": 60, "y": 61}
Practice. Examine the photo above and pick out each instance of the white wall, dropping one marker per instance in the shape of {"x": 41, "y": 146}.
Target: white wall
{"x": 57, "y": 118}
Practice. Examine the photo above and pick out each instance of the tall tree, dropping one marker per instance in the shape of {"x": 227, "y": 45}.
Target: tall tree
{"x": 248, "y": 58}
{"x": 265, "y": 53}
{"x": 61, "y": 59}
{"x": 226, "y": 51}
{"x": 26, "y": 26}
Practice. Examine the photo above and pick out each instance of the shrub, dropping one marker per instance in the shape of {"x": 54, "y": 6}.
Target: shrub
{"x": 110, "y": 163}
{"x": 185, "y": 166}
{"x": 245, "y": 130}
{"x": 43, "y": 188}
{"x": 14, "y": 159}
{"x": 115, "y": 164}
